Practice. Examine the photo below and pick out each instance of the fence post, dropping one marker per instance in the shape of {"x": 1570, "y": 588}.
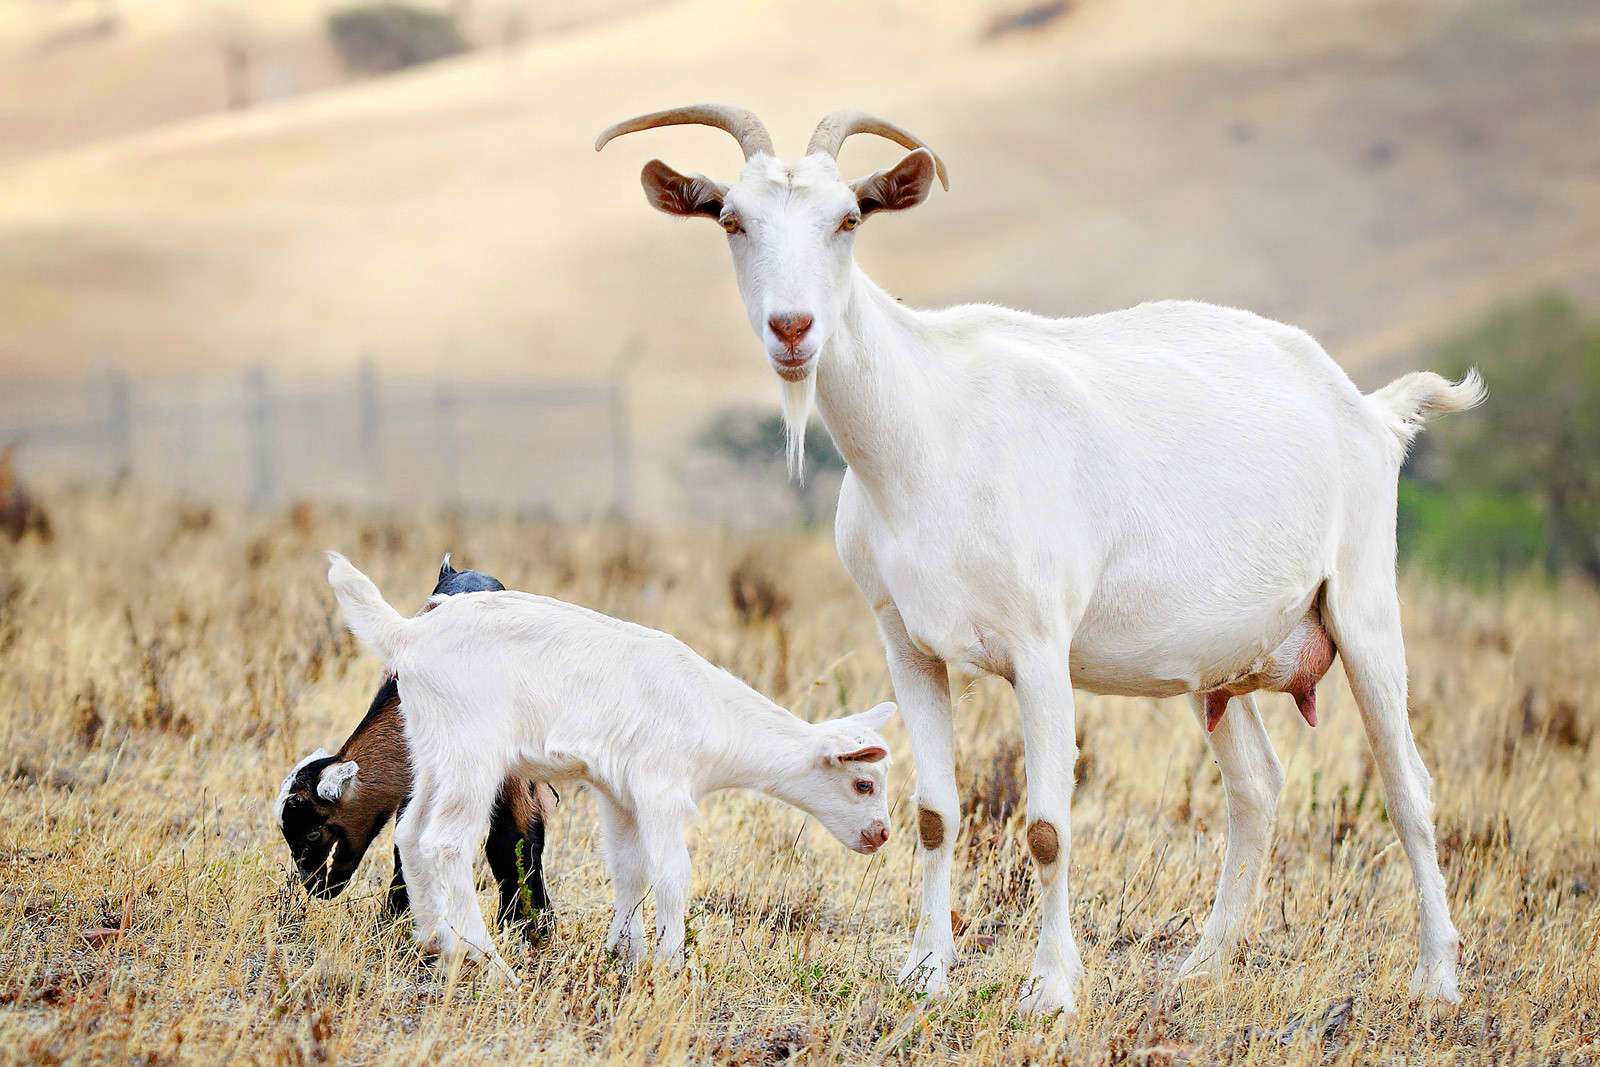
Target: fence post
{"x": 622, "y": 430}
{"x": 258, "y": 419}
{"x": 371, "y": 431}
{"x": 119, "y": 424}
{"x": 444, "y": 430}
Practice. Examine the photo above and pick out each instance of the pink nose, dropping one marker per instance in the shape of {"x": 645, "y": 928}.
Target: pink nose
{"x": 790, "y": 329}
{"x": 875, "y": 838}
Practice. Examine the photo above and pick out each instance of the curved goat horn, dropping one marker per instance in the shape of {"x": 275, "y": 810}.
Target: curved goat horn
{"x": 831, "y": 132}
{"x": 748, "y": 130}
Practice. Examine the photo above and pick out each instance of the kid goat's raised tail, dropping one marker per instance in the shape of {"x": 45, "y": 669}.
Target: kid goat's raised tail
{"x": 1411, "y": 400}
{"x": 373, "y": 622}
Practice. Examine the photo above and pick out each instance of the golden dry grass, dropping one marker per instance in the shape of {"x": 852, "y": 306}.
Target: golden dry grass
{"x": 161, "y": 668}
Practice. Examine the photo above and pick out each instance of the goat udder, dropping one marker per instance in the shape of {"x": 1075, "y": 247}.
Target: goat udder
{"x": 1295, "y": 667}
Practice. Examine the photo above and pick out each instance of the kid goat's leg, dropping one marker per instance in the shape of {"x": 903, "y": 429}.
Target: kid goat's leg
{"x": 420, "y": 878}
{"x": 458, "y": 810}
{"x": 515, "y": 850}
{"x": 667, "y": 854}
{"x": 1366, "y": 624}
{"x": 922, "y": 689}
{"x": 625, "y": 860}
{"x": 1044, "y": 693}
{"x": 398, "y": 901}
{"x": 1252, "y": 778}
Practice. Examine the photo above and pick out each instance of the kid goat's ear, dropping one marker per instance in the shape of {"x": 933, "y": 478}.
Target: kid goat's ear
{"x": 869, "y": 754}
{"x": 335, "y": 776}
{"x": 877, "y": 717}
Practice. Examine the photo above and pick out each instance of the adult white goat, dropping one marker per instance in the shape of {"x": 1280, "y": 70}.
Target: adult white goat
{"x": 1176, "y": 498}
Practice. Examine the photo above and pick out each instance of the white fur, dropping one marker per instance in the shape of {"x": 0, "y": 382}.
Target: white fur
{"x": 288, "y": 785}
{"x": 333, "y": 779}
{"x": 1145, "y": 502}
{"x": 493, "y": 683}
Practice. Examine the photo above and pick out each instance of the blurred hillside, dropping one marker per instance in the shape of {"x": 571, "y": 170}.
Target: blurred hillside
{"x": 1374, "y": 172}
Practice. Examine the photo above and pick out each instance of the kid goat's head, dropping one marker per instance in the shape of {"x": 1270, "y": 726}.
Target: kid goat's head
{"x": 791, "y": 227}
{"x": 844, "y": 789}
{"x": 326, "y": 837}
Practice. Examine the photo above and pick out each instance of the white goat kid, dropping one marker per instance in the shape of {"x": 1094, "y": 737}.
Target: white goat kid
{"x": 495, "y": 683}
{"x": 1176, "y": 498}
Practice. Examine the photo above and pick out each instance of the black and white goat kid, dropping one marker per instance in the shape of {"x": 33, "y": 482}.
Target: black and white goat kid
{"x": 331, "y": 807}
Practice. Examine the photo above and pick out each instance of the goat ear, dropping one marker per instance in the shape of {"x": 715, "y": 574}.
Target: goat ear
{"x": 681, "y": 194}
{"x": 870, "y": 754}
{"x": 445, "y": 570}
{"x": 906, "y": 184}
{"x": 335, "y": 776}
{"x": 877, "y": 717}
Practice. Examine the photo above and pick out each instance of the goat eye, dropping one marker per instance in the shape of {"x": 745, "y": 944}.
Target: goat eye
{"x": 850, "y": 222}
{"x": 731, "y": 224}
{"x": 863, "y": 787}
{"x": 314, "y": 836}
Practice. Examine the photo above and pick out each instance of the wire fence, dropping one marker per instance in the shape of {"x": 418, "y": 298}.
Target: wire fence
{"x": 565, "y": 449}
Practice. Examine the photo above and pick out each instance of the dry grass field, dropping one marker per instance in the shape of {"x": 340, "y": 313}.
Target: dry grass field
{"x": 161, "y": 667}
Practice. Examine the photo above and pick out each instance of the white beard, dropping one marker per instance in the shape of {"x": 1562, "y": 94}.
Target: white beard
{"x": 798, "y": 400}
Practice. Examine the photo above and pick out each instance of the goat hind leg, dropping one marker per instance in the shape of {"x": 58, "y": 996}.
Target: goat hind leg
{"x": 1366, "y": 625}
{"x": 415, "y": 877}
{"x": 458, "y": 811}
{"x": 1252, "y": 779}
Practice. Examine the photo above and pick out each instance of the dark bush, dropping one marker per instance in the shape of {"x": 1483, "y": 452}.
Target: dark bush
{"x": 754, "y": 439}
{"x": 378, "y": 38}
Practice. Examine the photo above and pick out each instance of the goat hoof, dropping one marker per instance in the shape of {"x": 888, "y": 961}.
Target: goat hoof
{"x": 1204, "y": 962}
{"x": 1045, "y": 995}
{"x": 926, "y": 975}
{"x": 1435, "y": 983}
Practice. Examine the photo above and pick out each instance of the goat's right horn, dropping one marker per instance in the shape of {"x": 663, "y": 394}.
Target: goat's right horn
{"x": 748, "y": 130}
{"x": 831, "y": 132}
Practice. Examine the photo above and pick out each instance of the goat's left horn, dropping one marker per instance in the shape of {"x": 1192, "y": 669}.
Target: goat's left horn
{"x": 832, "y": 131}
{"x": 747, "y": 129}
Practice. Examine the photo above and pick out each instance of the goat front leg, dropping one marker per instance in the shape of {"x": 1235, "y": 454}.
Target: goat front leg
{"x": 1252, "y": 778}
{"x": 1050, "y": 749}
{"x": 661, "y": 834}
{"x": 398, "y": 901}
{"x": 515, "y": 850}
{"x": 627, "y": 863}
{"x": 922, "y": 689}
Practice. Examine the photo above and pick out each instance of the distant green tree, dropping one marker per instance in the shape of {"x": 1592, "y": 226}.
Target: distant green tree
{"x": 755, "y": 439}
{"x": 1518, "y": 481}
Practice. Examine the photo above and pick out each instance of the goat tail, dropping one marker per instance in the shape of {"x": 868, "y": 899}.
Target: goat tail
{"x": 373, "y": 622}
{"x": 1412, "y": 400}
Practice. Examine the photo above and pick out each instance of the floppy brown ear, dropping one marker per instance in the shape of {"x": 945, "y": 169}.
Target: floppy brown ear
{"x": 871, "y": 754}
{"x": 906, "y": 184}
{"x": 681, "y": 194}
